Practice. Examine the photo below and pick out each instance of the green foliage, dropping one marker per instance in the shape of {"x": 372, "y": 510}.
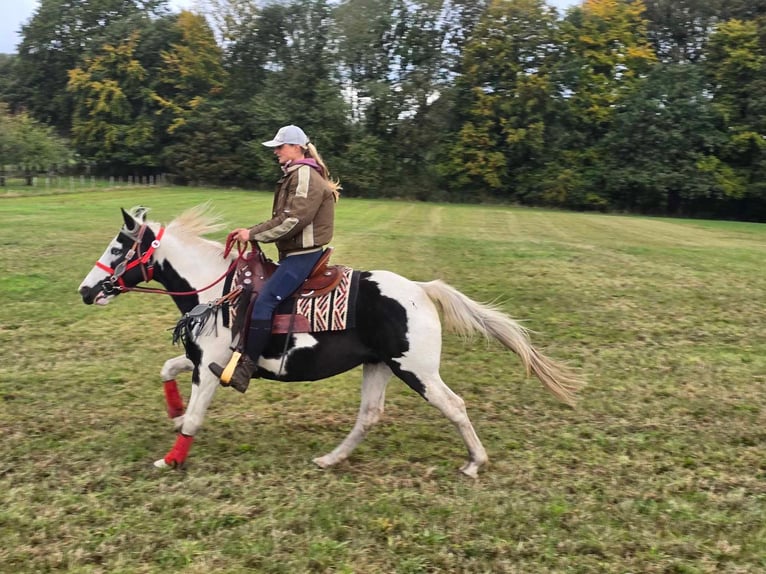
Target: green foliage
{"x": 192, "y": 70}
{"x": 606, "y": 51}
{"x": 30, "y": 146}
{"x": 209, "y": 147}
{"x": 506, "y": 63}
{"x": 300, "y": 86}
{"x": 661, "y": 150}
{"x": 363, "y": 169}
{"x": 736, "y": 66}
{"x": 736, "y": 63}
{"x": 112, "y": 124}
{"x": 254, "y": 38}
{"x": 396, "y": 60}
{"x": 679, "y": 30}
{"x": 55, "y": 40}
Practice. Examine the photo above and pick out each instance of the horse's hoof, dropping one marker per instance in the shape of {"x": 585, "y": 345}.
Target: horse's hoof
{"x": 470, "y": 469}
{"x": 322, "y": 462}
{"x": 161, "y": 463}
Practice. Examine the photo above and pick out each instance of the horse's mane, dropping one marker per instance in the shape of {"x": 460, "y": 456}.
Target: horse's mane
{"x": 196, "y": 222}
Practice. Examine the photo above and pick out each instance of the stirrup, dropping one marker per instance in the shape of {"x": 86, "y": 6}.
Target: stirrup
{"x": 228, "y": 371}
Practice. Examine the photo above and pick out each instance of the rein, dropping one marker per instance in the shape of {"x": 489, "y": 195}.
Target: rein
{"x": 117, "y": 283}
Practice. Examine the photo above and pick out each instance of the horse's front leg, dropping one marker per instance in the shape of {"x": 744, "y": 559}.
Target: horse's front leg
{"x": 203, "y": 391}
{"x": 170, "y": 370}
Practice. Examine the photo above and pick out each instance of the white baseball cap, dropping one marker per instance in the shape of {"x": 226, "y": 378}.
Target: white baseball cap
{"x": 288, "y": 135}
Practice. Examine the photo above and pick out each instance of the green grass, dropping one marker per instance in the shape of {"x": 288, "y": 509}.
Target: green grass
{"x": 661, "y": 469}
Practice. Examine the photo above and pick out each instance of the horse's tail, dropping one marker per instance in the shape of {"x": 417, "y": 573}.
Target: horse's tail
{"x": 465, "y": 316}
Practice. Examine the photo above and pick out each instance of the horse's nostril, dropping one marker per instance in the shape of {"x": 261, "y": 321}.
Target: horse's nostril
{"x": 87, "y": 298}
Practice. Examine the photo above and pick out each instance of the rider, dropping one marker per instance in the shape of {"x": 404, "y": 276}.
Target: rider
{"x": 301, "y": 225}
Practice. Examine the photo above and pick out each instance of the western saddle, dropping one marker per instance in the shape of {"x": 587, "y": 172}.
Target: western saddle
{"x": 255, "y": 269}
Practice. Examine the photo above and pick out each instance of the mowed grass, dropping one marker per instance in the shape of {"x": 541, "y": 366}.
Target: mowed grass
{"x": 661, "y": 468}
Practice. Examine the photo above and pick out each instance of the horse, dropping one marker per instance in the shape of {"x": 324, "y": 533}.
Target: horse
{"x": 397, "y": 332}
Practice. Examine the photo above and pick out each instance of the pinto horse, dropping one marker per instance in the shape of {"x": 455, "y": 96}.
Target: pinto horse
{"x": 397, "y": 332}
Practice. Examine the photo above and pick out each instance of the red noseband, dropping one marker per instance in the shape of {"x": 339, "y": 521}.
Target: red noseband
{"x": 141, "y": 260}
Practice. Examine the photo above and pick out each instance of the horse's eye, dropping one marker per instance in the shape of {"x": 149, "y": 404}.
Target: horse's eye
{"x": 116, "y": 251}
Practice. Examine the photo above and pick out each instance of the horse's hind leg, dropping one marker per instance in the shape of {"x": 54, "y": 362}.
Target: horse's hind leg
{"x": 435, "y": 391}
{"x": 375, "y": 379}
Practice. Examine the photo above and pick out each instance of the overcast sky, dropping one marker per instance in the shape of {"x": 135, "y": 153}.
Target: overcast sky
{"x": 14, "y": 13}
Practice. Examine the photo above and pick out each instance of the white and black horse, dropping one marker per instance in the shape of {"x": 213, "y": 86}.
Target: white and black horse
{"x": 397, "y": 332}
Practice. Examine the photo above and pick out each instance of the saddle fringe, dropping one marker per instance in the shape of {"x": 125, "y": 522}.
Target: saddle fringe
{"x": 192, "y": 324}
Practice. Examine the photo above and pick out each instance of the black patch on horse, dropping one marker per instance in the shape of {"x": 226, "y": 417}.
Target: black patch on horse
{"x": 381, "y": 321}
{"x": 172, "y": 281}
{"x": 408, "y": 377}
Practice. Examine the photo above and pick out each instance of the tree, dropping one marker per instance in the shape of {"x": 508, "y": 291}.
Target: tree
{"x": 505, "y": 67}
{"x": 606, "y": 53}
{"x": 113, "y": 122}
{"x": 251, "y": 38}
{"x": 7, "y": 77}
{"x": 679, "y": 29}
{"x": 192, "y": 71}
{"x": 661, "y": 152}
{"x": 55, "y": 40}
{"x": 736, "y": 66}
{"x": 299, "y": 85}
{"x": 736, "y": 63}
{"x": 279, "y": 70}
{"x": 210, "y": 147}
{"x": 397, "y": 59}
{"x": 29, "y": 145}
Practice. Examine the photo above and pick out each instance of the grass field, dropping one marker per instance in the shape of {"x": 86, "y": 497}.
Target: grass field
{"x": 661, "y": 468}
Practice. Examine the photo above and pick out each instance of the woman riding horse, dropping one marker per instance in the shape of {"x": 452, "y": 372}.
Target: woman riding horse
{"x": 301, "y": 225}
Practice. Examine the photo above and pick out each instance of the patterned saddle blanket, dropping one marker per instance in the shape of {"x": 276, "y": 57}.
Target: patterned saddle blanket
{"x": 333, "y": 311}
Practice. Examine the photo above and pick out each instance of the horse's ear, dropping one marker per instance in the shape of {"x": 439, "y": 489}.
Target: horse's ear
{"x": 139, "y": 212}
{"x": 130, "y": 223}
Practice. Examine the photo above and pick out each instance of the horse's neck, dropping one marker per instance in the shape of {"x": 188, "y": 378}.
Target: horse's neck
{"x": 191, "y": 265}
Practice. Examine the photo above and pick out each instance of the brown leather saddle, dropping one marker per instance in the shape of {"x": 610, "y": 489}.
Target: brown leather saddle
{"x": 255, "y": 269}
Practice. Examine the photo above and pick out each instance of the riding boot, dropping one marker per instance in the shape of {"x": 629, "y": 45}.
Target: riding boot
{"x": 257, "y": 338}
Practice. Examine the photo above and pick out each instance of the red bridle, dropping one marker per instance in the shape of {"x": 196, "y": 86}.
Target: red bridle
{"x": 147, "y": 266}
{"x": 143, "y": 260}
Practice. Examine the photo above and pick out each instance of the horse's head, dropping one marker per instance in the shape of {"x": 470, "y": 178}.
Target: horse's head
{"x": 126, "y": 262}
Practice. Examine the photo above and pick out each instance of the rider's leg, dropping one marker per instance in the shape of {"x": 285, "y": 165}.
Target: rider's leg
{"x": 292, "y": 271}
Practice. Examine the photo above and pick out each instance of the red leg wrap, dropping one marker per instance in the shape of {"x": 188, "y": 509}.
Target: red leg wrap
{"x": 180, "y": 450}
{"x": 173, "y": 399}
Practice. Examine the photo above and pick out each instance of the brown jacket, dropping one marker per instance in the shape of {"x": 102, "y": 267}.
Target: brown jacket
{"x": 303, "y": 213}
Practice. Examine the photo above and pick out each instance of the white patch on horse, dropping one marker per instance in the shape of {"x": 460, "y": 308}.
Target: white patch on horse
{"x": 423, "y": 324}
{"x": 97, "y": 274}
{"x": 299, "y": 341}
{"x": 188, "y": 264}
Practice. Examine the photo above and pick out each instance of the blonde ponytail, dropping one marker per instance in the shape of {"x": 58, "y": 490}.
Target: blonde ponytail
{"x": 334, "y": 185}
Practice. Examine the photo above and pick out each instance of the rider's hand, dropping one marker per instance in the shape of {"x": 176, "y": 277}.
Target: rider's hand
{"x": 243, "y": 234}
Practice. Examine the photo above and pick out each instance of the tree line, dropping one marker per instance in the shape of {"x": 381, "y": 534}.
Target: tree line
{"x": 653, "y": 106}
